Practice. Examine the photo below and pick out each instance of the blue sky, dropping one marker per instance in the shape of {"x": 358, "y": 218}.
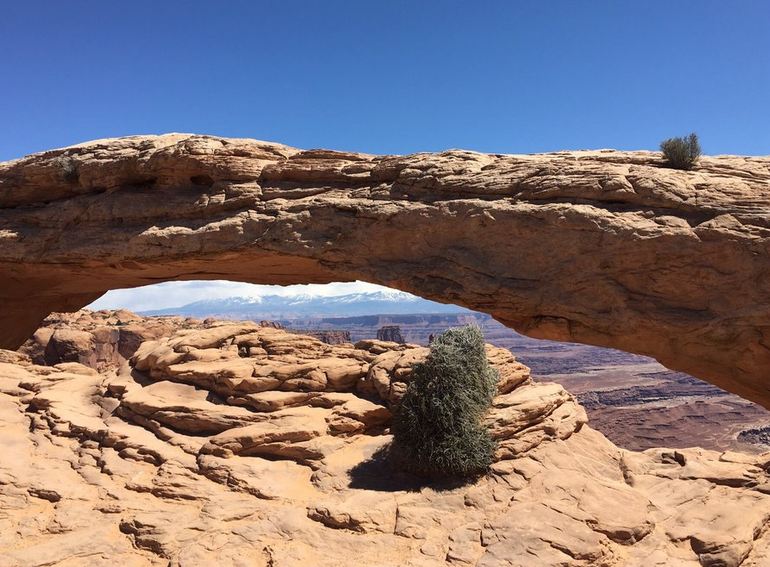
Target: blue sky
{"x": 389, "y": 76}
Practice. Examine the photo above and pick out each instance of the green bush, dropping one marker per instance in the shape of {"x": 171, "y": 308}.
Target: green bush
{"x": 437, "y": 428}
{"x": 681, "y": 153}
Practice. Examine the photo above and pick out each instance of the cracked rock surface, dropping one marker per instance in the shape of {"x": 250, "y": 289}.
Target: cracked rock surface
{"x": 231, "y": 443}
{"x": 601, "y": 247}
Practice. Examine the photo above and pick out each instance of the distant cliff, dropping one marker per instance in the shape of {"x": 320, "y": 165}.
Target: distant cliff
{"x": 391, "y": 333}
{"x": 330, "y": 337}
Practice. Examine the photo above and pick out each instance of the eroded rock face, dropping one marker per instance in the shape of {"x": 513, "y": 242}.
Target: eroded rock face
{"x": 606, "y": 248}
{"x": 174, "y": 459}
{"x": 390, "y": 333}
{"x": 98, "y": 339}
{"x": 331, "y": 337}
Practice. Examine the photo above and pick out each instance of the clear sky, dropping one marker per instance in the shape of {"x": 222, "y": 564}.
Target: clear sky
{"x": 389, "y": 76}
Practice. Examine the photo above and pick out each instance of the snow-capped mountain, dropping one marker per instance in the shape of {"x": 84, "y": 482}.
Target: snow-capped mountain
{"x": 389, "y": 302}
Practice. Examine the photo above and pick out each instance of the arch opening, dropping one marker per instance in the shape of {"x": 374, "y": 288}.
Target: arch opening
{"x": 636, "y": 402}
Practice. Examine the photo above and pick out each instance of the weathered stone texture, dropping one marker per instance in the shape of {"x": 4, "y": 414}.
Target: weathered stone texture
{"x": 173, "y": 460}
{"x": 601, "y": 247}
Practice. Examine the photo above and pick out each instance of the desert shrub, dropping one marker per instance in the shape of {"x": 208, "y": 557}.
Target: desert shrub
{"x": 437, "y": 428}
{"x": 681, "y": 153}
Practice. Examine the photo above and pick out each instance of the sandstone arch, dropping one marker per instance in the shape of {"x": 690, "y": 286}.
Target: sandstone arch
{"x": 602, "y": 247}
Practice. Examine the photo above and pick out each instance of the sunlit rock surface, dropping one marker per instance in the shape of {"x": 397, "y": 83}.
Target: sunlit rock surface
{"x": 601, "y": 247}
{"x": 234, "y": 443}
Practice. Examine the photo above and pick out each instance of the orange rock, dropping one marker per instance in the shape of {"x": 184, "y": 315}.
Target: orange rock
{"x": 601, "y": 247}
{"x": 150, "y": 465}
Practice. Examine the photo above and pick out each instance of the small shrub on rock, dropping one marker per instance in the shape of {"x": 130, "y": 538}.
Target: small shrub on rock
{"x": 437, "y": 428}
{"x": 681, "y": 153}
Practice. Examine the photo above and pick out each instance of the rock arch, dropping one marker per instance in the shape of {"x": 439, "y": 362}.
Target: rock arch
{"x": 603, "y": 247}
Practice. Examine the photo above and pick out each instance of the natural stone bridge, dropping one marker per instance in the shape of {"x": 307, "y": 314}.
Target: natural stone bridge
{"x": 606, "y": 248}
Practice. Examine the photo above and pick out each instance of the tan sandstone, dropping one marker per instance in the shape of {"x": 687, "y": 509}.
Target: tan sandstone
{"x": 142, "y": 464}
{"x": 601, "y": 247}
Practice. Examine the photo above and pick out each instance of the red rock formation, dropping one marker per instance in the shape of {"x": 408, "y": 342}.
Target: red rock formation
{"x": 390, "y": 333}
{"x": 330, "y": 336}
{"x": 606, "y": 248}
{"x": 233, "y": 442}
{"x": 98, "y": 339}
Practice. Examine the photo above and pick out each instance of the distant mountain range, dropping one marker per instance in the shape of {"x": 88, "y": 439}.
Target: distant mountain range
{"x": 309, "y": 306}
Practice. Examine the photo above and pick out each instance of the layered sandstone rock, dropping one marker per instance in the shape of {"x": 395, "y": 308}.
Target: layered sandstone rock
{"x": 603, "y": 247}
{"x": 234, "y": 443}
{"x": 98, "y": 339}
{"x": 330, "y": 337}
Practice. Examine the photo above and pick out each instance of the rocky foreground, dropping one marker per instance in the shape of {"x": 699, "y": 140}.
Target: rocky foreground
{"x": 179, "y": 442}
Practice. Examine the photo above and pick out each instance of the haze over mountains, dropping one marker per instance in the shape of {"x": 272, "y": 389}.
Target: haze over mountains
{"x": 304, "y": 306}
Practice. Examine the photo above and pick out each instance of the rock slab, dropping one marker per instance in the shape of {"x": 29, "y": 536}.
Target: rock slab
{"x": 234, "y": 443}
